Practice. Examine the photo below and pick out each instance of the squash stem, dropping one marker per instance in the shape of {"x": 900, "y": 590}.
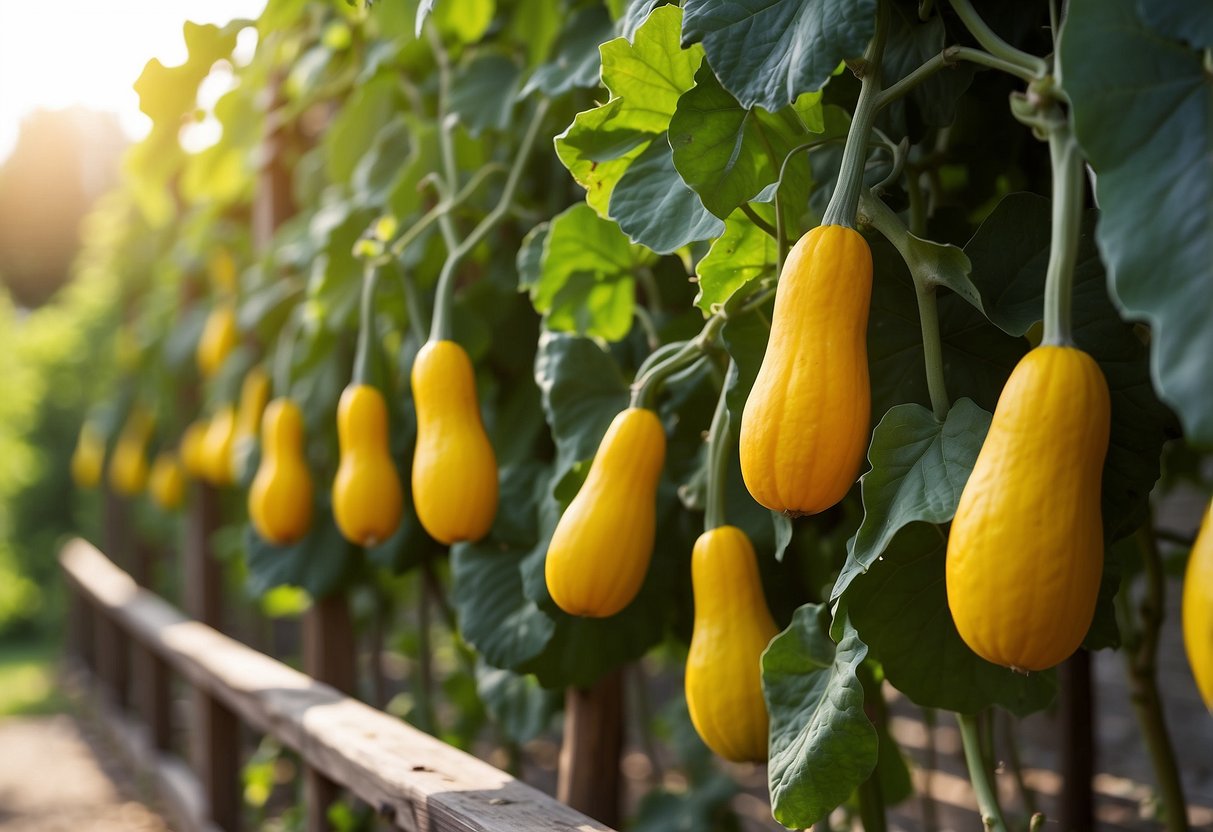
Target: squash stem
{"x": 987, "y": 800}
{"x": 364, "y": 358}
{"x": 719, "y": 438}
{"x": 882, "y": 218}
{"x": 1141, "y": 662}
{"x": 444, "y": 300}
{"x": 284, "y": 352}
{"x": 995, "y": 45}
{"x": 845, "y": 199}
{"x": 1067, "y": 221}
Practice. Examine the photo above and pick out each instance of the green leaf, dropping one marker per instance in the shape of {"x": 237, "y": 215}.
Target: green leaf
{"x": 519, "y": 706}
{"x": 1009, "y": 254}
{"x": 597, "y": 148}
{"x": 977, "y": 356}
{"x": 911, "y": 42}
{"x": 1186, "y": 20}
{"x": 655, "y": 208}
{"x": 354, "y": 129}
{"x": 586, "y": 283}
{"x": 822, "y": 743}
{"x": 919, "y": 467}
{"x": 320, "y": 563}
{"x": 582, "y": 391}
{"x": 375, "y": 174}
{"x": 652, "y": 71}
{"x": 744, "y": 252}
{"x": 900, "y": 608}
{"x": 645, "y": 78}
{"x": 726, "y": 152}
{"x": 577, "y": 62}
{"x": 529, "y": 261}
{"x": 464, "y": 20}
{"x": 767, "y": 52}
{"x": 483, "y": 91}
{"x": 1154, "y": 181}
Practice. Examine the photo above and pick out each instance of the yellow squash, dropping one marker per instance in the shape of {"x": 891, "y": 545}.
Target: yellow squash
{"x": 280, "y": 500}
{"x": 454, "y": 468}
{"x": 1025, "y": 553}
{"x": 804, "y": 429}
{"x": 128, "y": 462}
{"x": 601, "y": 548}
{"x": 167, "y": 483}
{"x": 217, "y": 447}
{"x": 367, "y": 495}
{"x": 1198, "y": 610}
{"x": 219, "y": 338}
{"x": 193, "y": 449}
{"x": 254, "y": 393}
{"x": 89, "y": 457}
{"x": 732, "y": 628}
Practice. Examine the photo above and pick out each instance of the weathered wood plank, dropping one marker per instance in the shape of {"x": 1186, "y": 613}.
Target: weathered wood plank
{"x": 411, "y": 778}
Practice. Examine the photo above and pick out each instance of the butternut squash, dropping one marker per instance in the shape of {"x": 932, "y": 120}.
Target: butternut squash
{"x": 1198, "y": 610}
{"x": 217, "y": 447}
{"x": 128, "y": 463}
{"x": 732, "y": 628}
{"x": 454, "y": 468}
{"x": 600, "y": 551}
{"x": 89, "y": 457}
{"x": 219, "y": 338}
{"x": 166, "y": 483}
{"x": 1025, "y": 553}
{"x": 804, "y": 429}
{"x": 192, "y": 449}
{"x": 280, "y": 500}
{"x": 367, "y": 496}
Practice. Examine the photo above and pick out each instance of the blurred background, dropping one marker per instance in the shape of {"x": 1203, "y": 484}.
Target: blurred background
{"x": 68, "y": 113}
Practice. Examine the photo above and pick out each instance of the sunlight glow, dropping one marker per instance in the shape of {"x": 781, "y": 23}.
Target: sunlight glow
{"x": 88, "y": 53}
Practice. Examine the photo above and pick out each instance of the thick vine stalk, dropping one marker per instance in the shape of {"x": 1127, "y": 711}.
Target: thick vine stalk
{"x": 719, "y": 442}
{"x": 987, "y": 798}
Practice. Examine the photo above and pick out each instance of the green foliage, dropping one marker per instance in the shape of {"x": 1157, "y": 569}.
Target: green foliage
{"x": 1159, "y": 260}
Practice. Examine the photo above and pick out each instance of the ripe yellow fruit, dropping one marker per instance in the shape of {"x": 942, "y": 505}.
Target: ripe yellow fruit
{"x": 601, "y": 548}
{"x": 167, "y": 483}
{"x": 193, "y": 449}
{"x": 219, "y": 338}
{"x": 804, "y": 429}
{"x": 1198, "y": 610}
{"x": 89, "y": 457}
{"x": 280, "y": 500}
{"x": 1025, "y": 553}
{"x": 128, "y": 463}
{"x": 732, "y": 627}
{"x": 367, "y": 496}
{"x": 217, "y": 447}
{"x": 454, "y": 468}
{"x": 254, "y": 393}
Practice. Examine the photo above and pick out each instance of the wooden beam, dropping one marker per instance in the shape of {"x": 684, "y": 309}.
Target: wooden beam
{"x": 412, "y": 779}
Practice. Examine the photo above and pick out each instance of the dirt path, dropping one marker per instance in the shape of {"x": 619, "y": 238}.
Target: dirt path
{"x": 51, "y": 780}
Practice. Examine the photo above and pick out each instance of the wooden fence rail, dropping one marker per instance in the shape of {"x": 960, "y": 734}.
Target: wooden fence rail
{"x": 413, "y": 780}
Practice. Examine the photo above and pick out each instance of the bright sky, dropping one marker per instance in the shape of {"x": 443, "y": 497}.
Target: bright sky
{"x": 89, "y": 52}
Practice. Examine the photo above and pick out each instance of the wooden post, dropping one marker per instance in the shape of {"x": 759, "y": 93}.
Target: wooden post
{"x": 155, "y": 699}
{"x": 1078, "y": 744}
{"x": 589, "y": 777}
{"x": 215, "y": 738}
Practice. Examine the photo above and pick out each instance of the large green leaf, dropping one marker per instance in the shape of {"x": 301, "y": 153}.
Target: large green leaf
{"x": 582, "y": 391}
{"x": 587, "y": 282}
{"x": 519, "y": 706}
{"x": 911, "y": 42}
{"x": 767, "y": 52}
{"x": 977, "y": 356}
{"x": 729, "y": 153}
{"x": 1186, "y": 20}
{"x": 822, "y": 743}
{"x": 655, "y": 208}
{"x": 743, "y": 252}
{"x": 354, "y": 129}
{"x": 576, "y": 62}
{"x": 483, "y": 91}
{"x": 919, "y": 466}
{"x": 645, "y": 77}
{"x": 321, "y": 563}
{"x": 900, "y": 608}
{"x": 1009, "y": 254}
{"x": 1144, "y": 117}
